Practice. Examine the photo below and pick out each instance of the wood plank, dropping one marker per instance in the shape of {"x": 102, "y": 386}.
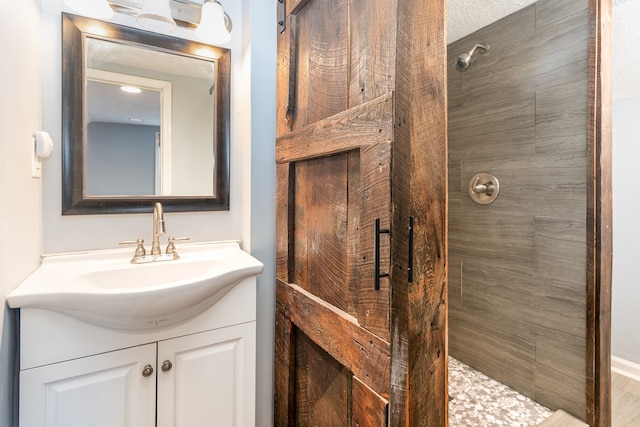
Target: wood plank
{"x": 327, "y": 387}
{"x": 419, "y": 309}
{"x": 339, "y": 334}
{"x": 294, "y": 6}
{"x": 375, "y": 177}
{"x": 283, "y": 208}
{"x": 321, "y": 228}
{"x": 328, "y": 75}
{"x": 364, "y": 125}
{"x": 369, "y": 408}
{"x": 284, "y": 375}
{"x": 371, "y": 49}
{"x": 599, "y": 216}
{"x": 301, "y": 68}
{"x": 282, "y": 78}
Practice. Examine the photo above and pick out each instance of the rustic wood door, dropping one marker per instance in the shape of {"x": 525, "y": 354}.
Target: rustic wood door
{"x": 361, "y": 289}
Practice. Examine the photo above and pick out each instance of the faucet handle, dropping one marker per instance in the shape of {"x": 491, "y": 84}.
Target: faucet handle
{"x": 171, "y": 248}
{"x": 140, "y": 251}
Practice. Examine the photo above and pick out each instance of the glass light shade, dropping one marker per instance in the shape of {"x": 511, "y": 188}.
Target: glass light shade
{"x": 98, "y": 9}
{"x": 212, "y": 27}
{"x": 155, "y": 15}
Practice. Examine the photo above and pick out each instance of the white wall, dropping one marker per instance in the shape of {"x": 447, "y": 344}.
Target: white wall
{"x": 73, "y": 233}
{"x": 20, "y": 215}
{"x": 625, "y": 312}
{"x": 252, "y": 214}
{"x": 625, "y": 330}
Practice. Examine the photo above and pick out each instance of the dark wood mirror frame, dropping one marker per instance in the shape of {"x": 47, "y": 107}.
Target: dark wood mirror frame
{"x": 74, "y": 199}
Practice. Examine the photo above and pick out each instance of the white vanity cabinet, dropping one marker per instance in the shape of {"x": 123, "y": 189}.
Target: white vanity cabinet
{"x": 207, "y": 379}
{"x": 101, "y": 391}
{"x": 200, "y": 372}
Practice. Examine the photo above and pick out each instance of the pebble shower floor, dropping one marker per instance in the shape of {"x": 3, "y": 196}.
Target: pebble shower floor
{"x": 476, "y": 400}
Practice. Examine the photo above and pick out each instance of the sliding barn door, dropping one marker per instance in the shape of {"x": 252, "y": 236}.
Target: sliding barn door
{"x": 361, "y": 214}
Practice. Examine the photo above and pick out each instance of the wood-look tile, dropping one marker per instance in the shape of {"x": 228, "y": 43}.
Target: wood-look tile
{"x": 554, "y": 16}
{"x": 562, "y": 419}
{"x": 559, "y": 376}
{"x": 520, "y": 261}
{"x": 561, "y": 119}
{"x": 507, "y": 239}
{"x": 501, "y": 352}
{"x": 626, "y": 384}
{"x": 560, "y": 251}
{"x": 561, "y": 42}
{"x": 494, "y": 130}
{"x": 499, "y": 71}
{"x": 455, "y": 284}
{"x": 454, "y": 79}
{"x": 625, "y": 401}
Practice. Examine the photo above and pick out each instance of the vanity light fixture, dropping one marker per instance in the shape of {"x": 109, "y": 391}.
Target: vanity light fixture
{"x": 213, "y": 23}
{"x": 98, "y": 9}
{"x": 155, "y": 15}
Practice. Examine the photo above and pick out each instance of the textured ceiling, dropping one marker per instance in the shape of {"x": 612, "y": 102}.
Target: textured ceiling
{"x": 467, "y": 16}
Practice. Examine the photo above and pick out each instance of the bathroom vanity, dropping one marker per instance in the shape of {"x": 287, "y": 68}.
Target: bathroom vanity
{"x": 79, "y": 370}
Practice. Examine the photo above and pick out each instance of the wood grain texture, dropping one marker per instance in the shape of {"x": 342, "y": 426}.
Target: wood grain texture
{"x": 625, "y": 400}
{"x": 284, "y": 374}
{"x": 320, "y": 229}
{"x": 364, "y": 125}
{"x": 522, "y": 305}
{"x": 371, "y": 53}
{"x": 282, "y": 78}
{"x": 419, "y": 188}
{"x": 283, "y": 218}
{"x": 325, "y": 386}
{"x": 369, "y": 408}
{"x": 370, "y": 130}
{"x": 362, "y": 352}
{"x": 599, "y": 216}
{"x": 361, "y": 137}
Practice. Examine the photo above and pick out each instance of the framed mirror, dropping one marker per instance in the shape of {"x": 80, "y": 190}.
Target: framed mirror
{"x": 145, "y": 118}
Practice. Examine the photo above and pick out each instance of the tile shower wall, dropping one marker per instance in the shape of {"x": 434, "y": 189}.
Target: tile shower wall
{"x": 517, "y": 290}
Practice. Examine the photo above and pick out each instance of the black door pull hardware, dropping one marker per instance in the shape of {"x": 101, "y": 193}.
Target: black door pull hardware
{"x": 377, "y": 275}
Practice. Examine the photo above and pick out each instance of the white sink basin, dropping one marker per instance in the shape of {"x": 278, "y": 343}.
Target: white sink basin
{"x": 105, "y": 289}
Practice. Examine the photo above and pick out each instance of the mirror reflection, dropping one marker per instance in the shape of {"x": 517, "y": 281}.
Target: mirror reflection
{"x": 150, "y": 122}
{"x": 145, "y": 119}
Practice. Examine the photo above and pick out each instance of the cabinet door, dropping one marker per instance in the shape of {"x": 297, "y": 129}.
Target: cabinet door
{"x": 107, "y": 390}
{"x": 361, "y": 292}
{"x": 211, "y": 380}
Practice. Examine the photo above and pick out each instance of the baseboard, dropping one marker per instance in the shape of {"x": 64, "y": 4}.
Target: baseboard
{"x": 626, "y": 368}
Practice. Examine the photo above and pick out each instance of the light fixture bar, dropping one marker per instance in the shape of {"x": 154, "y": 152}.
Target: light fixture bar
{"x": 165, "y": 18}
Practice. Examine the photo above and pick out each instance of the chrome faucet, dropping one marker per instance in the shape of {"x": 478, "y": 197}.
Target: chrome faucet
{"x": 158, "y": 228}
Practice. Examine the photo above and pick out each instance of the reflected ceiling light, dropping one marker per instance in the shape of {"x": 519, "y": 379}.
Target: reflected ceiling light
{"x": 156, "y": 16}
{"x": 98, "y": 9}
{"x": 130, "y": 89}
{"x": 213, "y": 23}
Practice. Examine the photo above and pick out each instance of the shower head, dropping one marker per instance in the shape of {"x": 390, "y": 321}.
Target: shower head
{"x": 464, "y": 60}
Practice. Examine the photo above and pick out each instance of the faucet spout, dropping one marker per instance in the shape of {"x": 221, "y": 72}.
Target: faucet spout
{"x": 158, "y": 228}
